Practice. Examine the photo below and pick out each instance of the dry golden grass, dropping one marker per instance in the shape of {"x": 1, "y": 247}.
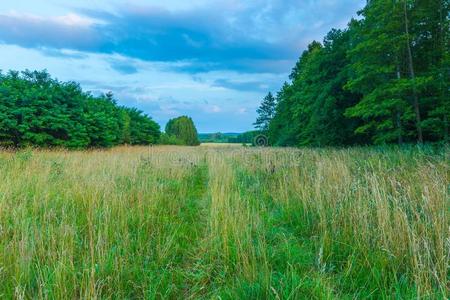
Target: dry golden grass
{"x": 230, "y": 222}
{"x": 221, "y": 145}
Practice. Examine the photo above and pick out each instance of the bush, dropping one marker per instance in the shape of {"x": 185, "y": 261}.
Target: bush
{"x": 183, "y": 129}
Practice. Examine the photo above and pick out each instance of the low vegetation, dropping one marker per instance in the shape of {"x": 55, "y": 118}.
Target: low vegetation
{"x": 236, "y": 223}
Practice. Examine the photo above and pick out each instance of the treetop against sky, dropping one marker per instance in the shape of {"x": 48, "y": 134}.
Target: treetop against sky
{"x": 212, "y": 60}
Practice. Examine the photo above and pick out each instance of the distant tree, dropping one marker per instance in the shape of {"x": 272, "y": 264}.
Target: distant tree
{"x": 183, "y": 129}
{"x": 265, "y": 112}
{"x": 245, "y": 137}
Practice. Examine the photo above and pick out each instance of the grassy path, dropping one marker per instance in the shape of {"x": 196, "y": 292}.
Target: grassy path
{"x": 188, "y": 223}
{"x": 290, "y": 249}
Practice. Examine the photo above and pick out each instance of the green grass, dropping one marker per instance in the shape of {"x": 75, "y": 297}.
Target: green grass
{"x": 225, "y": 223}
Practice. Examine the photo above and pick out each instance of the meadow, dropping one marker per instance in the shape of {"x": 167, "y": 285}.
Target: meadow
{"x": 205, "y": 222}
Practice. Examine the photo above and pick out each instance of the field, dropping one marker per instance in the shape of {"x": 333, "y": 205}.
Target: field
{"x": 224, "y": 223}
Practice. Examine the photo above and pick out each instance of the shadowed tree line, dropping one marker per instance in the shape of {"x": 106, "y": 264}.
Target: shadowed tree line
{"x": 383, "y": 79}
{"x": 36, "y": 110}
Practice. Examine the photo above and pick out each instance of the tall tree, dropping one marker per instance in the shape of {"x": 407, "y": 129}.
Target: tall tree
{"x": 265, "y": 112}
{"x": 377, "y": 65}
{"x": 183, "y": 129}
{"x": 412, "y": 74}
{"x": 284, "y": 126}
{"x": 382, "y": 80}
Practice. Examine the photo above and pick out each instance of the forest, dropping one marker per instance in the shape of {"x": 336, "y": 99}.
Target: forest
{"x": 383, "y": 79}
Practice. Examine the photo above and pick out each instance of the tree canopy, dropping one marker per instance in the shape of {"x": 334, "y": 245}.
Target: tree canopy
{"x": 383, "y": 79}
{"x": 36, "y": 110}
{"x": 182, "y": 131}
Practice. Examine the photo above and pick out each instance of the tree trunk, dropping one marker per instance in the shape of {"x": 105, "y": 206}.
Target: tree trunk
{"x": 399, "y": 126}
{"x": 413, "y": 78}
{"x": 446, "y": 138}
{"x": 398, "y": 119}
{"x": 443, "y": 90}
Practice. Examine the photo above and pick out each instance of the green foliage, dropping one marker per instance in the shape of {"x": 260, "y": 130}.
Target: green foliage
{"x": 383, "y": 79}
{"x": 245, "y": 137}
{"x": 182, "y": 129}
{"x": 36, "y": 110}
{"x": 265, "y": 112}
{"x": 166, "y": 139}
{"x": 218, "y": 137}
{"x": 231, "y": 138}
{"x": 142, "y": 129}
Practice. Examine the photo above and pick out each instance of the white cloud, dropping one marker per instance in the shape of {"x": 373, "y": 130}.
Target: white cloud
{"x": 156, "y": 88}
{"x": 242, "y": 110}
{"x": 70, "y": 19}
{"x": 215, "y": 109}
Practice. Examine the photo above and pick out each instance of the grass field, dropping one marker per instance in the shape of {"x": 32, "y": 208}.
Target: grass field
{"x": 225, "y": 223}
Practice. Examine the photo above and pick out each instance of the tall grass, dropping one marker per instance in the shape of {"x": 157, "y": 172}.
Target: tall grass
{"x": 229, "y": 223}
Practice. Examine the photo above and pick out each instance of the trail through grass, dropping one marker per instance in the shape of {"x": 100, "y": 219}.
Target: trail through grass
{"x": 225, "y": 223}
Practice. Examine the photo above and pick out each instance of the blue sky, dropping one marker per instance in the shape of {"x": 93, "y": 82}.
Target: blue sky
{"x": 213, "y": 60}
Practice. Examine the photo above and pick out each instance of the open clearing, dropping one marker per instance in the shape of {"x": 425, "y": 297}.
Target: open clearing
{"x": 229, "y": 222}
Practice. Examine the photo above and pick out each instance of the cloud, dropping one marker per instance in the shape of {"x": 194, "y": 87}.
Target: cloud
{"x": 63, "y": 32}
{"x": 241, "y": 85}
{"x": 213, "y": 109}
{"x": 242, "y": 110}
{"x": 73, "y": 20}
{"x": 124, "y": 67}
{"x": 63, "y": 53}
{"x": 251, "y": 36}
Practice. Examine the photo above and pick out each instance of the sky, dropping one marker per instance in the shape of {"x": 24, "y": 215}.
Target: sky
{"x": 213, "y": 60}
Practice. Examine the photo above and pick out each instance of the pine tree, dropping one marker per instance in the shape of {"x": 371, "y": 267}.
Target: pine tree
{"x": 265, "y": 112}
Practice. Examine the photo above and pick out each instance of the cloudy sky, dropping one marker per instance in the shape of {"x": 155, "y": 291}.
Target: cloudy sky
{"x": 213, "y": 60}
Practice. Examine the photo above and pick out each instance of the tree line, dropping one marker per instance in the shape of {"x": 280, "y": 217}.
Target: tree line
{"x": 37, "y": 110}
{"x": 383, "y": 79}
{"x": 231, "y": 138}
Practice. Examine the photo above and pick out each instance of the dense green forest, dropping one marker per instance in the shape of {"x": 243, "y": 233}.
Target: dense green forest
{"x": 384, "y": 79}
{"x": 40, "y": 111}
